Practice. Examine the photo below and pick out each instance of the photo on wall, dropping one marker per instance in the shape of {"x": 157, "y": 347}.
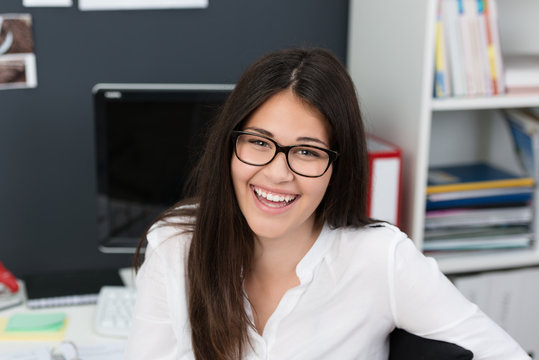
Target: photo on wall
{"x": 17, "y": 58}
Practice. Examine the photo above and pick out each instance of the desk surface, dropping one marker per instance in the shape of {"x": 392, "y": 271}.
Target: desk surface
{"x": 79, "y": 328}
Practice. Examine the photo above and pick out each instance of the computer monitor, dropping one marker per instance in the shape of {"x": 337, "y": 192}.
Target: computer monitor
{"x": 148, "y": 138}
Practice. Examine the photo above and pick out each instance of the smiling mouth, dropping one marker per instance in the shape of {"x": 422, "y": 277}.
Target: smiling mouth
{"x": 274, "y": 200}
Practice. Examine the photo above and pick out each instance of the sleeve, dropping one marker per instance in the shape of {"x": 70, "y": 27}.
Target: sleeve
{"x": 151, "y": 335}
{"x": 427, "y": 304}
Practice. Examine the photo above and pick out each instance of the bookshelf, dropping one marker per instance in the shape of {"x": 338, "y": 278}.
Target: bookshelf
{"x": 390, "y": 58}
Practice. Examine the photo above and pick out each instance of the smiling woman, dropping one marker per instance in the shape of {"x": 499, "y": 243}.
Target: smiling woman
{"x": 289, "y": 120}
{"x": 273, "y": 256}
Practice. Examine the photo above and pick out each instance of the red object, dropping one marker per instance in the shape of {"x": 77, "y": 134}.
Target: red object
{"x": 383, "y": 198}
{"x": 7, "y": 278}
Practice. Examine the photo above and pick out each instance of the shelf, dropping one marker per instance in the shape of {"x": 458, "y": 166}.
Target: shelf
{"x": 466, "y": 263}
{"x": 393, "y": 74}
{"x": 490, "y": 102}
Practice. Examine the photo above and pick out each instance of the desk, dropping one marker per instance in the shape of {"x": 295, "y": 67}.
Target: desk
{"x": 79, "y": 328}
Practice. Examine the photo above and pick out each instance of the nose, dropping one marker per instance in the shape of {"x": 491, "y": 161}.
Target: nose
{"x": 278, "y": 169}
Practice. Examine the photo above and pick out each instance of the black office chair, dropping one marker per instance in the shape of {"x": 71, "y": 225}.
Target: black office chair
{"x": 406, "y": 346}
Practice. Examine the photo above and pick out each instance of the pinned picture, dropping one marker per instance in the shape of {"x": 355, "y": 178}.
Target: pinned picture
{"x": 17, "y": 58}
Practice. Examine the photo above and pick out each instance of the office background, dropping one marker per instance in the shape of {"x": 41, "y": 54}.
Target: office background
{"x": 47, "y": 171}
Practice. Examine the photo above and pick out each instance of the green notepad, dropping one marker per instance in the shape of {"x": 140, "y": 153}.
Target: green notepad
{"x": 41, "y": 322}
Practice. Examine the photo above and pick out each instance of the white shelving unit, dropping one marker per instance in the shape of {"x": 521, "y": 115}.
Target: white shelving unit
{"x": 390, "y": 58}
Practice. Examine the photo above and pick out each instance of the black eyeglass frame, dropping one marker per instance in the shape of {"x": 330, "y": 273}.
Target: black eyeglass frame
{"x": 332, "y": 155}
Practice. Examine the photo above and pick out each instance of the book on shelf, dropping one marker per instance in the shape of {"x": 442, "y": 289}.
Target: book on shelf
{"x": 473, "y": 176}
{"x": 502, "y": 199}
{"x": 480, "y": 237}
{"x": 472, "y": 31}
{"x": 524, "y": 128}
{"x": 385, "y": 168}
{"x": 522, "y": 73}
{"x": 462, "y": 219}
{"x": 494, "y": 47}
{"x": 475, "y": 231}
{"x": 450, "y": 19}
{"x": 442, "y": 84}
{"x": 484, "y": 61}
{"x": 455, "y": 195}
{"x": 490, "y": 242}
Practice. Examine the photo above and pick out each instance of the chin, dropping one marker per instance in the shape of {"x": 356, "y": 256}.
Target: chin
{"x": 262, "y": 229}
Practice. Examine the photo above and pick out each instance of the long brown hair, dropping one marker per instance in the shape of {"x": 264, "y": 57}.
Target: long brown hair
{"x": 222, "y": 243}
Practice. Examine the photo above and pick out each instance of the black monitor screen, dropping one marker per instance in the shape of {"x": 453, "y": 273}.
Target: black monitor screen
{"x": 148, "y": 138}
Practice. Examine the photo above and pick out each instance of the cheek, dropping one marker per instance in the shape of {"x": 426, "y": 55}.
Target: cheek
{"x": 318, "y": 189}
{"x": 240, "y": 174}
{"x": 235, "y": 173}
{"x": 324, "y": 186}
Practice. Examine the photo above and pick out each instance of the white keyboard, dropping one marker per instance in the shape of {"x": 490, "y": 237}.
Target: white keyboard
{"x": 113, "y": 312}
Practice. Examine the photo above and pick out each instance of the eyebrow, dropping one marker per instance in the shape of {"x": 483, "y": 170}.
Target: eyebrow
{"x": 300, "y": 139}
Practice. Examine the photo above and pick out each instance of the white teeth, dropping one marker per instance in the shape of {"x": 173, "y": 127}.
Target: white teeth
{"x": 274, "y": 197}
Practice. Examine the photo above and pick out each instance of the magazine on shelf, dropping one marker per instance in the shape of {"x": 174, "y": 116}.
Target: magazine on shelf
{"x": 466, "y": 217}
{"x": 517, "y": 241}
{"x": 473, "y": 176}
{"x": 454, "y": 195}
{"x": 475, "y": 231}
{"x": 495, "y": 200}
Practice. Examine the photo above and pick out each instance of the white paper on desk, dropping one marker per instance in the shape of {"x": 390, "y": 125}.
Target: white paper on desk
{"x": 96, "y": 352}
{"x": 41, "y": 353}
{"x": 102, "y": 352}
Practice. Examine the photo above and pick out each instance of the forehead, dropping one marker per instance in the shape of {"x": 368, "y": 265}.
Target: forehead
{"x": 287, "y": 117}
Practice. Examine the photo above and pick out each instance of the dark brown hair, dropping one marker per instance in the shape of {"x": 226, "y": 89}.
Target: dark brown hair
{"x": 222, "y": 243}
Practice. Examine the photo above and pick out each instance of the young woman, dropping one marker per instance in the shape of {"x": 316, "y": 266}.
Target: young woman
{"x": 274, "y": 257}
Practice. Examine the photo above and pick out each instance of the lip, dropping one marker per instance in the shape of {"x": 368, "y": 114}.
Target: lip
{"x": 270, "y": 209}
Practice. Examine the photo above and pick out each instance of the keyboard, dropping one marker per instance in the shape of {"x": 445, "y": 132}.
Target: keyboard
{"x": 113, "y": 311}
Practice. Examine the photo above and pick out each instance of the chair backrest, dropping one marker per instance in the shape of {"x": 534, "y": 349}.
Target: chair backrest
{"x": 406, "y": 346}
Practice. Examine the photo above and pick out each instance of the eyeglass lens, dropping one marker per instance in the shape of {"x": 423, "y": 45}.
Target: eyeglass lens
{"x": 304, "y": 160}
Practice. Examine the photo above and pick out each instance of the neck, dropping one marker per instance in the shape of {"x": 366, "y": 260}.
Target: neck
{"x": 279, "y": 257}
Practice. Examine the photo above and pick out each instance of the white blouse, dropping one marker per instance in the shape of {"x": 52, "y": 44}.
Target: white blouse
{"x": 356, "y": 286}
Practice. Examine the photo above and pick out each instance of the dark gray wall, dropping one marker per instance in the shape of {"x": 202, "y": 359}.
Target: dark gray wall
{"x": 47, "y": 177}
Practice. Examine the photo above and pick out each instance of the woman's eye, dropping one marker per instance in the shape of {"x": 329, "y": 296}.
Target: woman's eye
{"x": 258, "y": 142}
{"x": 305, "y": 152}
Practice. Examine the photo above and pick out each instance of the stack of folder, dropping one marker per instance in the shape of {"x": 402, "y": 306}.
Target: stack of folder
{"x": 476, "y": 207}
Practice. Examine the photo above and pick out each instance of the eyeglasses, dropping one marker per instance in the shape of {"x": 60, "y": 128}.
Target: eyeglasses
{"x": 305, "y": 160}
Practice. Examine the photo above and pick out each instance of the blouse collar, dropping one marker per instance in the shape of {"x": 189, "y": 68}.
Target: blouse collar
{"x": 307, "y": 265}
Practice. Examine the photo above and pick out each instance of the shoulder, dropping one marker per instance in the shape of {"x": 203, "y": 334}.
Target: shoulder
{"x": 173, "y": 226}
{"x": 373, "y": 247}
{"x": 166, "y": 235}
{"x": 169, "y": 239}
{"x": 377, "y": 236}
{"x": 166, "y": 255}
